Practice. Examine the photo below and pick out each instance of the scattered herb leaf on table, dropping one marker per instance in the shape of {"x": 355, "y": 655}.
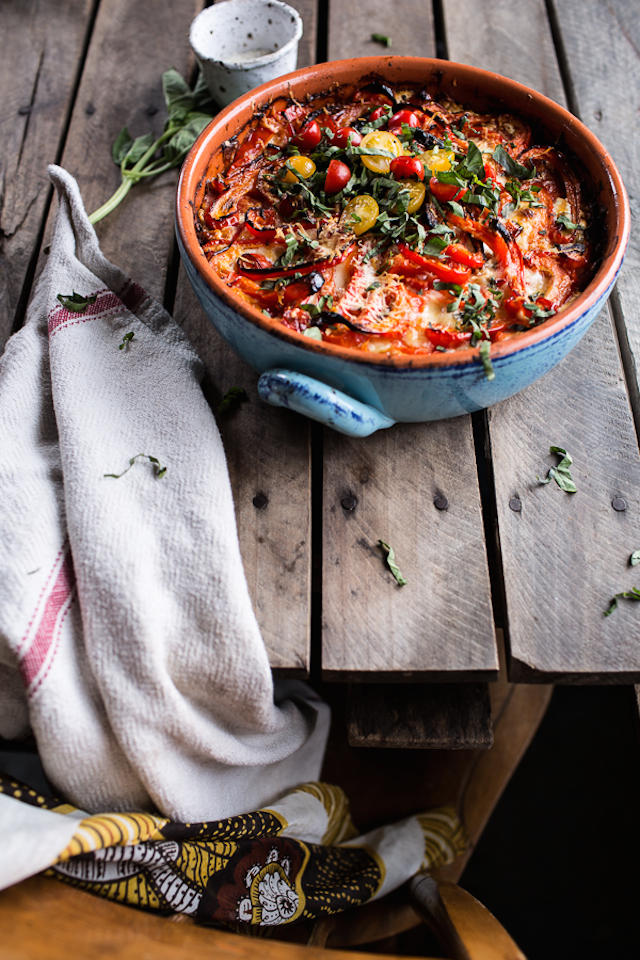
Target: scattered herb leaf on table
{"x": 391, "y": 563}
{"x": 561, "y": 473}
{"x": 76, "y": 302}
{"x": 627, "y": 595}
{"x": 160, "y": 471}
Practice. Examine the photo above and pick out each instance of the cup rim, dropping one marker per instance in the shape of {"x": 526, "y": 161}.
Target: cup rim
{"x": 343, "y": 71}
{"x": 256, "y": 61}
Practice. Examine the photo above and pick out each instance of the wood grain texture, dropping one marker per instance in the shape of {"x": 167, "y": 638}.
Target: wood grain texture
{"x": 407, "y": 23}
{"x": 440, "y": 716}
{"x": 605, "y": 46}
{"x": 42, "y": 48}
{"x": 439, "y": 625}
{"x": 122, "y": 86}
{"x": 513, "y": 39}
{"x": 268, "y": 453}
{"x": 42, "y": 919}
{"x": 564, "y": 556}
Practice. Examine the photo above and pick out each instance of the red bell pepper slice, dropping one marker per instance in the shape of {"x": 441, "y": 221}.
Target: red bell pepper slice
{"x": 443, "y": 271}
{"x": 508, "y": 254}
{"x": 447, "y": 338}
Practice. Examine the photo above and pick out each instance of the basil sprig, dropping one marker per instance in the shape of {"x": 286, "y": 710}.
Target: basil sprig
{"x": 633, "y": 594}
{"x": 189, "y": 112}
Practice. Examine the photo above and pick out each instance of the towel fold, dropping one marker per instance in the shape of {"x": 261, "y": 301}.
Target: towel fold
{"x": 128, "y": 643}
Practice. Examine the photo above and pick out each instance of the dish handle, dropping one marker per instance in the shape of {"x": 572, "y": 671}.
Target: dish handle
{"x": 312, "y": 398}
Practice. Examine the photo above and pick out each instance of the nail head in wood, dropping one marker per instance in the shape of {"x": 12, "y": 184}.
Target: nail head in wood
{"x": 260, "y": 501}
{"x": 515, "y": 504}
{"x": 349, "y": 503}
{"x": 619, "y": 504}
{"x": 441, "y": 503}
{"x": 89, "y": 109}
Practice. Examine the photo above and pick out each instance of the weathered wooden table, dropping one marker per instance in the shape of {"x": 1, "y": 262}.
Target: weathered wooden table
{"x": 481, "y": 543}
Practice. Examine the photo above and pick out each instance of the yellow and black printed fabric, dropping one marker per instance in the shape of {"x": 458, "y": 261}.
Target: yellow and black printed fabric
{"x": 245, "y": 870}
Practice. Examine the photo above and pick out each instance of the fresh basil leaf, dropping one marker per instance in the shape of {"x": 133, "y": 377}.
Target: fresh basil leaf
{"x": 381, "y": 38}
{"x": 177, "y": 95}
{"x": 137, "y": 150}
{"x": 391, "y": 563}
{"x": 511, "y": 166}
{"x": 182, "y": 141}
{"x": 456, "y": 208}
{"x": 473, "y": 160}
{"x": 121, "y": 146}
{"x": 76, "y": 303}
{"x": 203, "y": 102}
{"x": 126, "y": 340}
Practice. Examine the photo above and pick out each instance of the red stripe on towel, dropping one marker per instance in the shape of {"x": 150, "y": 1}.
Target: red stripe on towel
{"x": 52, "y": 616}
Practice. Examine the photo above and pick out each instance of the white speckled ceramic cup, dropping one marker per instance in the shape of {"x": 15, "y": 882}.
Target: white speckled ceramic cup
{"x": 242, "y": 43}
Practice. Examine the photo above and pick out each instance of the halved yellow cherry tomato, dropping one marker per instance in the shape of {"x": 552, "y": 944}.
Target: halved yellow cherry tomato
{"x": 304, "y": 168}
{"x": 417, "y": 192}
{"x": 438, "y": 159}
{"x": 380, "y": 140}
{"x": 366, "y": 209}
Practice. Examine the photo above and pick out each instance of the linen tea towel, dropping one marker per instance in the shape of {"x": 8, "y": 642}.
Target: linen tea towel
{"x": 127, "y": 639}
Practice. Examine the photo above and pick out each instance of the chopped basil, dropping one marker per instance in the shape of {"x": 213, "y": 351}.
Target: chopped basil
{"x": 511, "y": 166}
{"x": 233, "y": 397}
{"x": 313, "y": 332}
{"x": 634, "y": 559}
{"x": 561, "y": 473}
{"x": 567, "y": 224}
{"x": 126, "y": 340}
{"x": 159, "y": 470}
{"x": 381, "y": 38}
{"x": 485, "y": 351}
{"x": 391, "y": 563}
{"x": 633, "y": 594}
{"x": 76, "y": 303}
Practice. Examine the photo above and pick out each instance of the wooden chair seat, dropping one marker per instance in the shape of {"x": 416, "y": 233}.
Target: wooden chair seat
{"x": 42, "y": 918}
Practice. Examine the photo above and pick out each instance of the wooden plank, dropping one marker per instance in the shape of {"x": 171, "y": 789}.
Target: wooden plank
{"x": 121, "y": 86}
{"x": 606, "y": 44}
{"x": 439, "y": 625}
{"x": 42, "y": 52}
{"x": 269, "y": 457}
{"x": 372, "y": 628}
{"x": 268, "y": 453}
{"x": 407, "y": 23}
{"x": 564, "y": 556}
{"x": 441, "y": 716}
{"x": 513, "y": 39}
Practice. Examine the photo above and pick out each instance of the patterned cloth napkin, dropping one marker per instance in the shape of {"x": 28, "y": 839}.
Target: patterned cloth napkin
{"x": 300, "y": 859}
{"x": 128, "y": 643}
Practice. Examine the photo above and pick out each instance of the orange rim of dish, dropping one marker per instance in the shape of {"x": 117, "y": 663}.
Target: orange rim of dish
{"x": 501, "y": 94}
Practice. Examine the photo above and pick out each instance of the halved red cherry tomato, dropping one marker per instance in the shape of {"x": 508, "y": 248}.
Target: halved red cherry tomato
{"x": 447, "y": 338}
{"x": 342, "y": 136}
{"x": 308, "y": 136}
{"x": 261, "y": 223}
{"x": 444, "y": 271}
{"x": 444, "y": 191}
{"x": 403, "y": 168}
{"x": 402, "y": 116}
{"x": 376, "y": 114}
{"x": 338, "y": 176}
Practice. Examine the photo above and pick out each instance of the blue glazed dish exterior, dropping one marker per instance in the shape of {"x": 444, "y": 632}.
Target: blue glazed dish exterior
{"x": 404, "y": 394}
